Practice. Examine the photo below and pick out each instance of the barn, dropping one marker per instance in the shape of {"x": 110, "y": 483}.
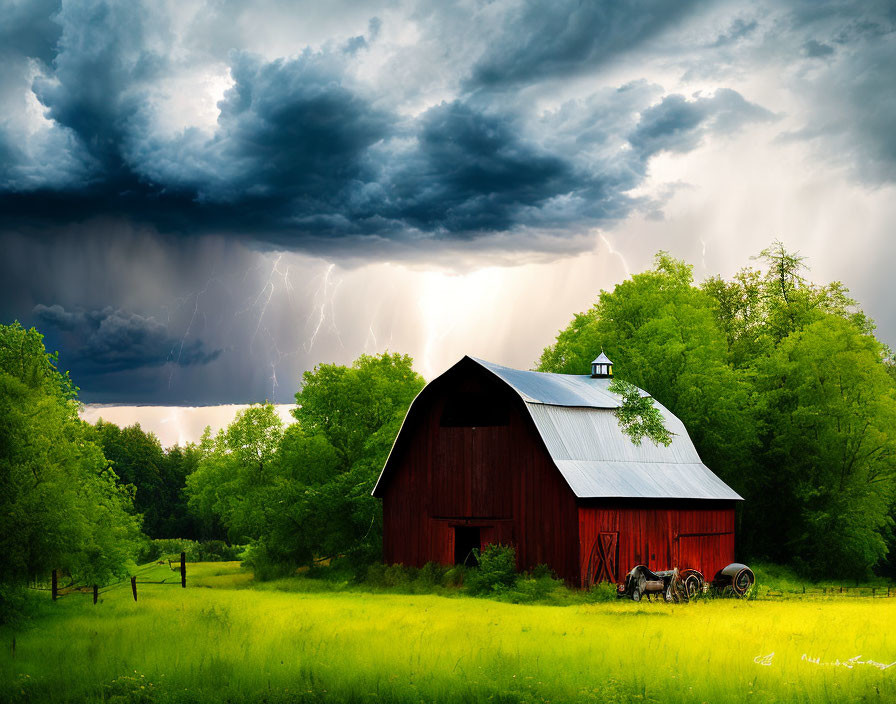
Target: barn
{"x": 490, "y": 454}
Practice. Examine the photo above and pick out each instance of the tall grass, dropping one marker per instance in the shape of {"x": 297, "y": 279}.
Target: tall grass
{"x": 214, "y": 642}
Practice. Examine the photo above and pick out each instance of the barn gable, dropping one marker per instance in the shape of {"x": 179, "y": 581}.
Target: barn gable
{"x": 574, "y": 418}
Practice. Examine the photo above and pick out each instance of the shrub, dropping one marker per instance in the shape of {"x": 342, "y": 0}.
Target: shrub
{"x": 454, "y": 576}
{"x": 257, "y": 558}
{"x": 431, "y": 575}
{"x": 496, "y": 571}
{"x": 603, "y": 591}
{"x": 541, "y": 571}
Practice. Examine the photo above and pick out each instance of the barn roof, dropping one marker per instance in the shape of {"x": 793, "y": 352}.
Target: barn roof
{"x": 574, "y": 416}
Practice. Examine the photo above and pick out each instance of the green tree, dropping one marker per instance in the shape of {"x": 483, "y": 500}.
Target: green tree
{"x": 232, "y": 481}
{"x": 347, "y": 405}
{"x": 828, "y": 409}
{"x": 60, "y": 504}
{"x": 756, "y": 309}
{"x": 662, "y": 334}
{"x": 303, "y": 493}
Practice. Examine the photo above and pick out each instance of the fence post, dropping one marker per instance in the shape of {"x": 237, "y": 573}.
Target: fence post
{"x": 183, "y": 570}
{"x": 134, "y": 587}
{"x": 55, "y": 586}
{"x": 95, "y": 593}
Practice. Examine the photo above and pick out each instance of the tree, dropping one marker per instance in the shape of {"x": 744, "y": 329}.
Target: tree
{"x": 60, "y": 504}
{"x": 304, "y": 493}
{"x": 757, "y": 310}
{"x": 662, "y": 335}
{"x": 828, "y": 407}
{"x": 637, "y": 416}
{"x": 232, "y": 481}
{"x": 347, "y": 405}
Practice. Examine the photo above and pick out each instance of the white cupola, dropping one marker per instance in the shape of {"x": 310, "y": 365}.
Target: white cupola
{"x": 602, "y": 367}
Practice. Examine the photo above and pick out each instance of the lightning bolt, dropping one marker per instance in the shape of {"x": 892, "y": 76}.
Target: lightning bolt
{"x": 616, "y": 253}
{"x": 325, "y": 294}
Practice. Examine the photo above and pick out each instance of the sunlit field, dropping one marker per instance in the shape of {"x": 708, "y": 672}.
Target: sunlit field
{"x": 220, "y": 640}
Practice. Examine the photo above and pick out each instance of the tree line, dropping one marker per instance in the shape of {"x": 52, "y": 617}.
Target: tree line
{"x": 783, "y": 387}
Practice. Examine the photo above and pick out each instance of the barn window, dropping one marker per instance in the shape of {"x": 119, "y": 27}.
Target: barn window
{"x": 476, "y": 409}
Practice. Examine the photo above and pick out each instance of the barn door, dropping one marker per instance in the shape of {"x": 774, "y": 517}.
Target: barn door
{"x": 603, "y": 559}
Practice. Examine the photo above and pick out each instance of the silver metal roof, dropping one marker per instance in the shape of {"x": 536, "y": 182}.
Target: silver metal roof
{"x": 574, "y": 417}
{"x": 557, "y": 389}
{"x": 602, "y": 359}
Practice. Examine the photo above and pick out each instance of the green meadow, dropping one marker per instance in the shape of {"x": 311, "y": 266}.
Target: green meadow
{"x": 227, "y": 639}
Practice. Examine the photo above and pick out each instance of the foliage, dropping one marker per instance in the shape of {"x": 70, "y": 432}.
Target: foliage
{"x": 196, "y": 551}
{"x": 783, "y": 388}
{"x": 603, "y": 592}
{"x": 157, "y": 477}
{"x": 347, "y": 405}
{"x": 60, "y": 505}
{"x": 496, "y": 570}
{"x": 829, "y": 456}
{"x": 303, "y": 494}
{"x": 637, "y": 416}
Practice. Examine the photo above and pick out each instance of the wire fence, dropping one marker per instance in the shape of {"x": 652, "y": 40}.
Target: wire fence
{"x": 71, "y": 588}
{"x": 881, "y": 592}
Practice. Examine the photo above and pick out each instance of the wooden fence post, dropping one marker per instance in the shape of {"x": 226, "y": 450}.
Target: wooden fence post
{"x": 183, "y": 570}
{"x": 95, "y": 593}
{"x": 55, "y": 586}
{"x": 134, "y": 587}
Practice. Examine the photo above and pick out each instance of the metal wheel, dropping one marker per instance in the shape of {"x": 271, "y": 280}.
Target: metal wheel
{"x": 742, "y": 582}
{"x": 692, "y": 586}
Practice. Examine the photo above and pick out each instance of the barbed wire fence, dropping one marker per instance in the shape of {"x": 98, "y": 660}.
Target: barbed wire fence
{"x": 94, "y": 589}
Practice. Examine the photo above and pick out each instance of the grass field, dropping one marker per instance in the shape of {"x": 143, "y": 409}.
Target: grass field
{"x": 221, "y": 640}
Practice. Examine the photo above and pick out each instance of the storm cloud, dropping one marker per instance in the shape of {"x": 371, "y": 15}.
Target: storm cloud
{"x": 113, "y": 340}
{"x": 303, "y": 151}
{"x": 199, "y": 201}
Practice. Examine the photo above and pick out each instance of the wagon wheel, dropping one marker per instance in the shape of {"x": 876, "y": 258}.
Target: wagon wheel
{"x": 742, "y": 582}
{"x": 692, "y": 586}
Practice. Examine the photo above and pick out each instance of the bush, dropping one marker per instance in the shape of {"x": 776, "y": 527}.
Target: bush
{"x": 431, "y": 575}
{"x": 541, "y": 571}
{"x": 257, "y": 559}
{"x": 496, "y": 571}
{"x": 602, "y": 591}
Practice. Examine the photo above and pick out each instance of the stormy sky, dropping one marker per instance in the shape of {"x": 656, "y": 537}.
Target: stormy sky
{"x": 201, "y": 199}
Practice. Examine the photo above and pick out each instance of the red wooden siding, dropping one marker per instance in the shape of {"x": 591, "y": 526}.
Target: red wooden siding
{"x": 499, "y": 478}
{"x": 660, "y": 535}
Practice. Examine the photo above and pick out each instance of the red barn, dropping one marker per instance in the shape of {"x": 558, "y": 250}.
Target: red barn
{"x": 489, "y": 454}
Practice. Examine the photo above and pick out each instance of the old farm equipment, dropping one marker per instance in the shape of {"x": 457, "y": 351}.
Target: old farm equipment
{"x": 734, "y": 579}
{"x": 672, "y": 585}
{"x": 677, "y": 585}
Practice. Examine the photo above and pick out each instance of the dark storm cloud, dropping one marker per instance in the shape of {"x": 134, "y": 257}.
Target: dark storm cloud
{"x": 540, "y": 40}
{"x": 473, "y": 172}
{"x": 678, "y": 125}
{"x": 302, "y": 152}
{"x": 112, "y": 340}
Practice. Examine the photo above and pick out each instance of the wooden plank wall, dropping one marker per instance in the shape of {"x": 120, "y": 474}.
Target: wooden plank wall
{"x": 499, "y": 478}
{"x": 661, "y": 535}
